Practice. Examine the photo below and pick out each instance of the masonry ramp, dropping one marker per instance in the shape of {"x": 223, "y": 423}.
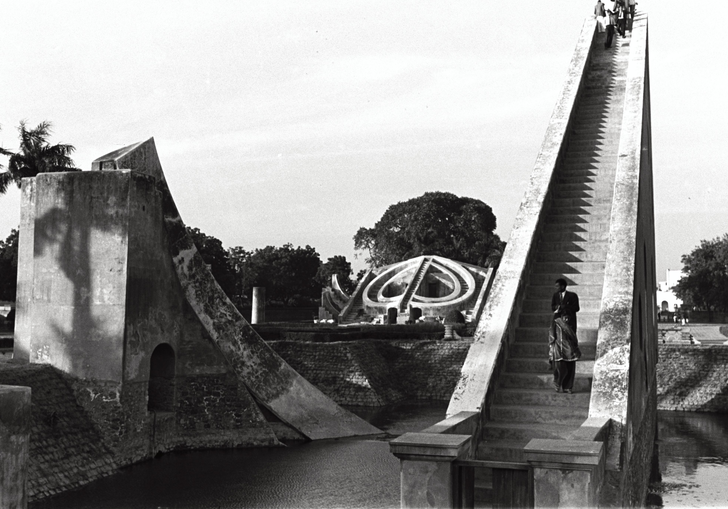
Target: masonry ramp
{"x": 562, "y": 230}
{"x": 572, "y": 245}
{"x": 273, "y": 383}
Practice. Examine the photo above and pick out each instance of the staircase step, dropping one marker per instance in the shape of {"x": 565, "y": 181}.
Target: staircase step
{"x": 544, "y": 292}
{"x": 540, "y": 349}
{"x": 494, "y": 430}
{"x": 536, "y": 334}
{"x": 575, "y": 211}
{"x": 582, "y": 381}
{"x": 540, "y": 306}
{"x": 597, "y": 247}
{"x": 588, "y": 320}
{"x": 592, "y": 226}
{"x": 540, "y": 413}
{"x": 575, "y": 256}
{"x": 541, "y": 397}
{"x": 589, "y": 278}
{"x": 592, "y": 143}
{"x": 586, "y": 129}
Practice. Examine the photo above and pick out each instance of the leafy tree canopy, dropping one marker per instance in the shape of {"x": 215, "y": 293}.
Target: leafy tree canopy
{"x": 705, "y": 284}
{"x": 217, "y": 258}
{"x": 9, "y": 266}
{"x": 435, "y": 223}
{"x": 287, "y": 273}
{"x": 35, "y": 155}
{"x": 338, "y": 265}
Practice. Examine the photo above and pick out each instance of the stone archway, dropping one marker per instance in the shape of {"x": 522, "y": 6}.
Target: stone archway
{"x": 161, "y": 379}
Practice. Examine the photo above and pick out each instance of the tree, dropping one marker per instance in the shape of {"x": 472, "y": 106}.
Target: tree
{"x": 435, "y": 223}
{"x": 338, "y": 265}
{"x": 217, "y": 258}
{"x": 288, "y": 274}
{"x": 240, "y": 265}
{"x": 705, "y": 284}
{"x": 35, "y": 155}
{"x": 9, "y": 266}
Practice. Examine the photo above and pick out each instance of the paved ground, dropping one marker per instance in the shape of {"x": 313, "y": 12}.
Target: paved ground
{"x": 708, "y": 334}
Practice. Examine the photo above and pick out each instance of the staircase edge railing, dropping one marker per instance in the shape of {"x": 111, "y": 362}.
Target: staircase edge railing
{"x": 624, "y": 383}
{"x": 365, "y": 280}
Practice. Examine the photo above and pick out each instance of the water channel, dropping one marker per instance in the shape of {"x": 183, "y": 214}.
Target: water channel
{"x": 361, "y": 473}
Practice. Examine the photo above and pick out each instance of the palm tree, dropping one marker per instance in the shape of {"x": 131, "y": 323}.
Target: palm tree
{"x": 35, "y": 155}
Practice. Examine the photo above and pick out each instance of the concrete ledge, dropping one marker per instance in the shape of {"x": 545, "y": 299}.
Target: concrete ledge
{"x": 430, "y": 446}
{"x": 462, "y": 423}
{"x": 571, "y": 453}
{"x": 594, "y": 429}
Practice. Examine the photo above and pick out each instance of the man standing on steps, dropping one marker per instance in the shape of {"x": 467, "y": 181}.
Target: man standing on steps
{"x": 611, "y": 20}
{"x": 563, "y": 345}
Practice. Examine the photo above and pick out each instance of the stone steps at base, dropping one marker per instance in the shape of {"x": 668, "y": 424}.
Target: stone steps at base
{"x": 586, "y": 320}
{"x": 541, "y": 365}
{"x": 544, "y": 397}
{"x": 546, "y": 291}
{"x": 539, "y": 306}
{"x": 538, "y": 414}
{"x": 494, "y": 430}
{"x": 536, "y": 334}
{"x": 582, "y": 381}
{"x": 540, "y": 349}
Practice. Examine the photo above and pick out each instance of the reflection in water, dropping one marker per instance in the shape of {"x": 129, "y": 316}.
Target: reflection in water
{"x": 693, "y": 456}
{"x": 324, "y": 474}
{"x": 361, "y": 473}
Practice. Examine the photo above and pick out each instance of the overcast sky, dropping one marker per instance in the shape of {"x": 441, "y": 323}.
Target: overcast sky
{"x": 300, "y": 122}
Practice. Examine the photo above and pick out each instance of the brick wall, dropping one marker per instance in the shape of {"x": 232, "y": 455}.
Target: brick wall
{"x": 692, "y": 378}
{"x": 84, "y": 430}
{"x": 66, "y": 449}
{"x": 375, "y": 373}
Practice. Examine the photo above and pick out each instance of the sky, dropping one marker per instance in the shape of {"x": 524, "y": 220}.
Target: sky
{"x": 288, "y": 121}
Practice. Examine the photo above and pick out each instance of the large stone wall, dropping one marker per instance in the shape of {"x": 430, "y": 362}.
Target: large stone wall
{"x": 375, "y": 373}
{"x": 83, "y": 430}
{"x": 66, "y": 449}
{"x": 692, "y": 378}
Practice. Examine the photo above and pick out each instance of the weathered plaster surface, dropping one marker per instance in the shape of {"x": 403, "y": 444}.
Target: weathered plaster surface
{"x": 270, "y": 379}
{"x": 23, "y": 318}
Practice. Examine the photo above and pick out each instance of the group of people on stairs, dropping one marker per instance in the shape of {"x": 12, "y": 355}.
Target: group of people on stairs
{"x": 621, "y": 15}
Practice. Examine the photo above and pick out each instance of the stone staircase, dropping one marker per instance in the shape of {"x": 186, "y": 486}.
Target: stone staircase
{"x": 416, "y": 281}
{"x": 573, "y": 245}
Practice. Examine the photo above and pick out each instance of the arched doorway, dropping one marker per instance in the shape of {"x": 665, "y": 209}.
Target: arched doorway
{"x": 161, "y": 379}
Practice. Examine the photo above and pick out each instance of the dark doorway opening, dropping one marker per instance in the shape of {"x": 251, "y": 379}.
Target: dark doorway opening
{"x": 161, "y": 379}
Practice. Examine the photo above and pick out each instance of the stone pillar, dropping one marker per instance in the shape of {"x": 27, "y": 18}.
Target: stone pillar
{"x": 258, "y": 311}
{"x": 566, "y": 473}
{"x": 15, "y": 421}
{"x": 427, "y": 474}
{"x": 392, "y": 316}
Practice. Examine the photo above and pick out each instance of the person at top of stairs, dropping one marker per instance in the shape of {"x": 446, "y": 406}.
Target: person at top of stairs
{"x": 563, "y": 345}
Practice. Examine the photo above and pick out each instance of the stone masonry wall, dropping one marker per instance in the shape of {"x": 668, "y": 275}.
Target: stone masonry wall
{"x": 376, "y": 373}
{"x": 66, "y": 449}
{"x": 692, "y": 378}
{"x": 83, "y": 430}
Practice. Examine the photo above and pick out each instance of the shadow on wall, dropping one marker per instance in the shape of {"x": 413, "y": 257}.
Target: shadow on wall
{"x": 67, "y": 235}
